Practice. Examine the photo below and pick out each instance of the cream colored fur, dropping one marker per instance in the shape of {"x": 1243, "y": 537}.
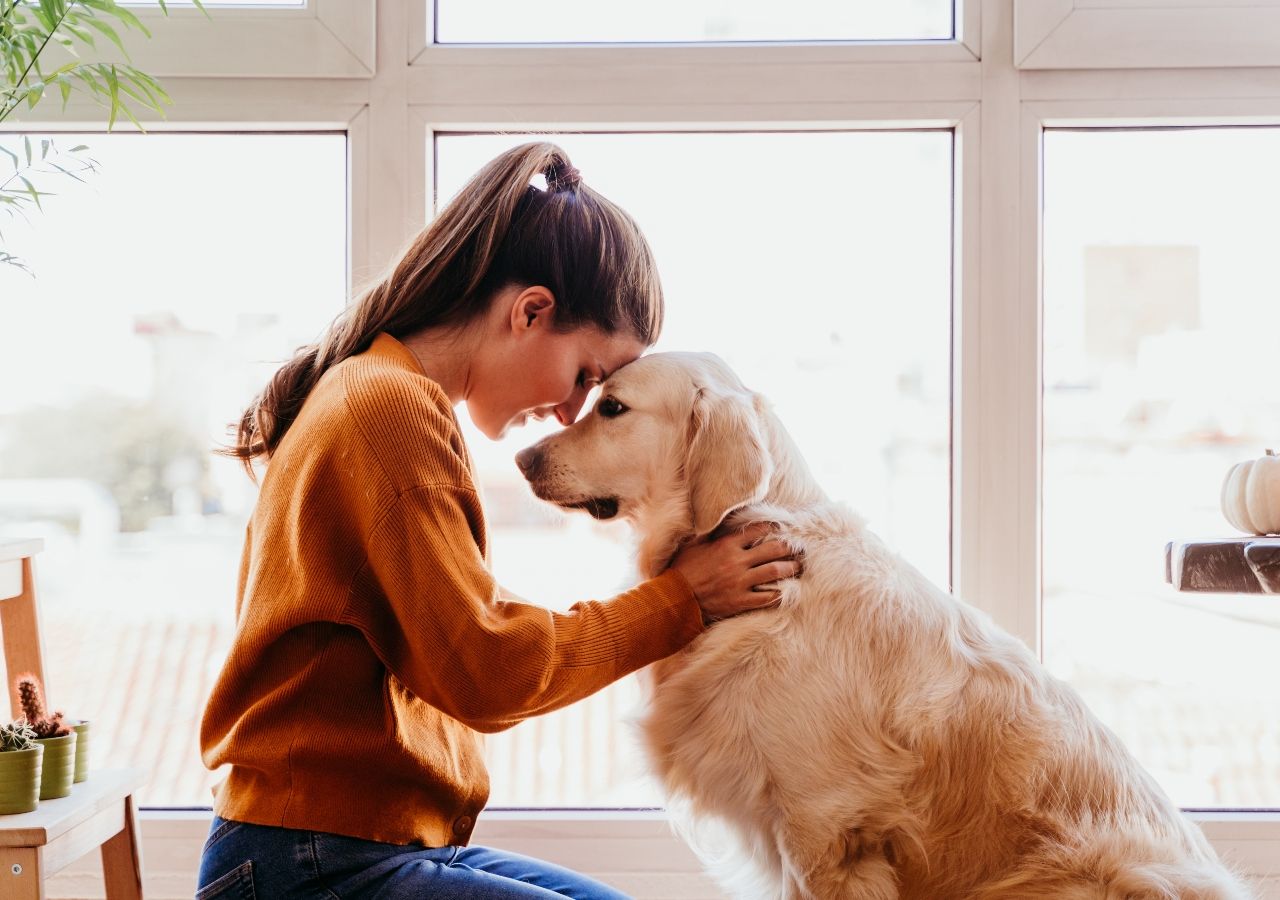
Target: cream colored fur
{"x": 871, "y": 737}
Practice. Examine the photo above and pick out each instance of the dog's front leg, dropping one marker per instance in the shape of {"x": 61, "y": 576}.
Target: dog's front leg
{"x": 848, "y": 864}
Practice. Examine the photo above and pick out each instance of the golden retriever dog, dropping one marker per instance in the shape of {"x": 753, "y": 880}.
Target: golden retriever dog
{"x": 869, "y": 736}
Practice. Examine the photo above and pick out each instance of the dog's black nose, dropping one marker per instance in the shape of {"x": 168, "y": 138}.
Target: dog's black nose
{"x": 529, "y": 460}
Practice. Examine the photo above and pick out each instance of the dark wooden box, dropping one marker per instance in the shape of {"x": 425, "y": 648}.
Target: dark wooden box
{"x": 1243, "y": 565}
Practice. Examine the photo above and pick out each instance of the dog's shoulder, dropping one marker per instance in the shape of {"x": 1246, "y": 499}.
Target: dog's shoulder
{"x": 812, "y": 524}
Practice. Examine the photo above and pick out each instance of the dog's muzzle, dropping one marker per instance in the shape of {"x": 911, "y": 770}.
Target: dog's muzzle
{"x": 532, "y": 463}
{"x": 601, "y": 508}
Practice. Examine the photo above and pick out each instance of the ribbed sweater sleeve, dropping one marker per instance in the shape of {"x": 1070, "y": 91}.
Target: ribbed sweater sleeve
{"x": 448, "y": 636}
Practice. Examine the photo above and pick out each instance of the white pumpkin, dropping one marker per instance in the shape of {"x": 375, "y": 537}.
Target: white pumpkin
{"x": 1251, "y": 495}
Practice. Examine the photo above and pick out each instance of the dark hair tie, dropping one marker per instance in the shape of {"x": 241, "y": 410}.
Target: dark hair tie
{"x": 563, "y": 178}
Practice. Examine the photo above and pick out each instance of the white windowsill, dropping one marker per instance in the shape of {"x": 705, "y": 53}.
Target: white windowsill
{"x": 636, "y": 850}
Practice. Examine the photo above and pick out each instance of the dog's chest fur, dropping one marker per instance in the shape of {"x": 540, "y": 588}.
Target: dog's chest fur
{"x": 731, "y": 716}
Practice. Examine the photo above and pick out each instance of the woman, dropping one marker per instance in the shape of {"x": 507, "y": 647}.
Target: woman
{"x": 372, "y": 645}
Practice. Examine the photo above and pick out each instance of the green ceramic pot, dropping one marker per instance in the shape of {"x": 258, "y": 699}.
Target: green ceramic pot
{"x": 82, "y": 749}
{"x": 20, "y": 780}
{"x": 59, "y": 766}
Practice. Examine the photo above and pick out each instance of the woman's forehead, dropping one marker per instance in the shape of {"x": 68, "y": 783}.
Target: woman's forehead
{"x": 609, "y": 352}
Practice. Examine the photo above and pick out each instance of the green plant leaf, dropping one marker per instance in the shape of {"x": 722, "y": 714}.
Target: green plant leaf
{"x": 150, "y": 85}
{"x": 9, "y": 259}
{"x": 128, "y": 18}
{"x": 33, "y": 193}
{"x": 113, "y": 84}
{"x": 143, "y": 88}
{"x": 85, "y": 74}
{"x": 68, "y": 173}
{"x": 110, "y": 32}
{"x": 127, "y": 85}
{"x": 83, "y": 35}
{"x": 43, "y": 18}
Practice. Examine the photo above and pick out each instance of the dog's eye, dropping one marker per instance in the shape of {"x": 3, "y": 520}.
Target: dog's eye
{"x": 610, "y": 407}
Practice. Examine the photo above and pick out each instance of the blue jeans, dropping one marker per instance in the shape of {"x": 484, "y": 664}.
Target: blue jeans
{"x": 242, "y": 861}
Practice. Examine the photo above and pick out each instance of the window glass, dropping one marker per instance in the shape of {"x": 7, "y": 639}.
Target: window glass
{"x": 166, "y": 290}
{"x": 818, "y": 265}
{"x": 1160, "y": 323}
{"x": 590, "y": 21}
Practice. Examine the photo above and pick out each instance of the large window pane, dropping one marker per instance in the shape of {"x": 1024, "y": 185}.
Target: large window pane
{"x": 166, "y": 291}
{"x": 1161, "y": 316}
{"x": 819, "y": 267}
{"x": 591, "y": 21}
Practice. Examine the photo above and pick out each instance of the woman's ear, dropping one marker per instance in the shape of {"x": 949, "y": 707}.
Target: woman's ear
{"x": 532, "y": 307}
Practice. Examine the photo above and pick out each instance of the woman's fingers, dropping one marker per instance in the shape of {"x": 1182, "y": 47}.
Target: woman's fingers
{"x": 768, "y": 551}
{"x": 773, "y": 571}
{"x": 748, "y": 600}
{"x": 739, "y": 571}
{"x": 753, "y": 534}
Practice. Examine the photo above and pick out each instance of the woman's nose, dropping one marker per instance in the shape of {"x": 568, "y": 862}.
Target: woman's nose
{"x": 567, "y": 412}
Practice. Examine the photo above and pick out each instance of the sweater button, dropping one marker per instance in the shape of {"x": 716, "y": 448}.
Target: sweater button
{"x": 461, "y": 825}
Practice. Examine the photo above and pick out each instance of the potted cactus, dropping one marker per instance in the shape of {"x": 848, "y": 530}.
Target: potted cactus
{"x": 57, "y": 736}
{"x": 20, "y": 767}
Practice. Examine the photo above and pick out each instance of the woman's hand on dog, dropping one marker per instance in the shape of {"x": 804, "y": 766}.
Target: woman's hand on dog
{"x": 727, "y": 575}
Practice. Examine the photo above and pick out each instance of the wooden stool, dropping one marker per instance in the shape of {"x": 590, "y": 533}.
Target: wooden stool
{"x": 100, "y": 810}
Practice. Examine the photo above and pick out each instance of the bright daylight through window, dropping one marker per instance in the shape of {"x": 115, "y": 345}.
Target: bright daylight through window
{"x": 848, "y": 232}
{"x": 590, "y": 21}
{"x": 1160, "y": 331}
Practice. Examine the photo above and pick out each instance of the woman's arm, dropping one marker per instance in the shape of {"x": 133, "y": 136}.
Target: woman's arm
{"x": 434, "y": 614}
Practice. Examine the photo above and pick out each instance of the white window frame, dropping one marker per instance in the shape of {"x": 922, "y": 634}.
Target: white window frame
{"x": 1146, "y": 34}
{"x": 318, "y": 39}
{"x": 1016, "y": 67}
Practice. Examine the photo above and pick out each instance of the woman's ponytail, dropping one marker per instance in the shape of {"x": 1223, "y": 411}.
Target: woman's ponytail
{"x": 498, "y": 230}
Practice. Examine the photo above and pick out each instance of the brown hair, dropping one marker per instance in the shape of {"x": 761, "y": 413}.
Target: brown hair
{"x": 499, "y": 230}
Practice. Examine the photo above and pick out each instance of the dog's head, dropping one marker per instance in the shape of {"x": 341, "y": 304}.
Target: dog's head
{"x": 672, "y": 435}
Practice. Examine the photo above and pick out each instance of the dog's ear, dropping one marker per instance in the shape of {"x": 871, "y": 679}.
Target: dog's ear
{"x": 728, "y": 465}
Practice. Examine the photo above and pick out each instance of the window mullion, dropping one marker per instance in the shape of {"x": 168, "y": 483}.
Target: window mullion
{"x": 996, "y": 551}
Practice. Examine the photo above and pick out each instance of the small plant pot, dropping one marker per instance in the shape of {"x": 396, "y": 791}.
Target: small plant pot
{"x": 59, "y": 766}
{"x": 82, "y": 750}
{"x": 20, "y": 780}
